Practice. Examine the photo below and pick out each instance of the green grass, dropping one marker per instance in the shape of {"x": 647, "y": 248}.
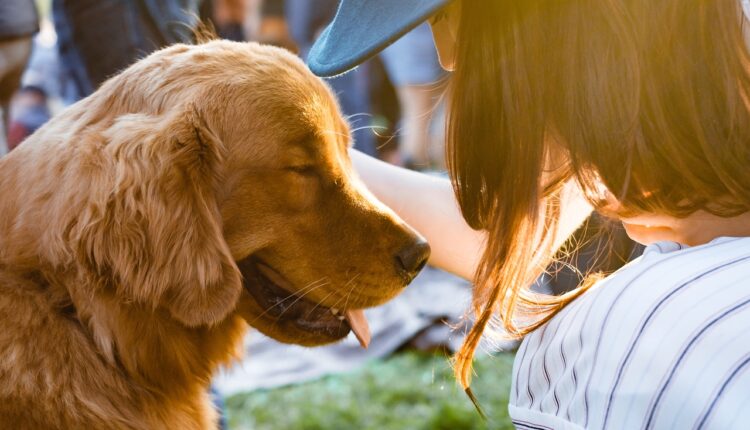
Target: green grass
{"x": 409, "y": 391}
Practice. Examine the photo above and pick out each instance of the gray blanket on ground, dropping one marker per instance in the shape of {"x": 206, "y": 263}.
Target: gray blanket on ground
{"x": 423, "y": 315}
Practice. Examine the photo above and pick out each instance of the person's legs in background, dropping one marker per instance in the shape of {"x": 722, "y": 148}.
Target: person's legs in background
{"x": 14, "y": 54}
{"x": 417, "y": 105}
{"x": 29, "y": 111}
{"x": 414, "y": 70}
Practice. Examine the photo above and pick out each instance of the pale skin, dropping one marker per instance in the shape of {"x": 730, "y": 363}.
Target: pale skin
{"x": 429, "y": 205}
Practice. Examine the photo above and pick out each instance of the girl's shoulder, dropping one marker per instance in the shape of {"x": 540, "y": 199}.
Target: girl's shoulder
{"x": 668, "y": 270}
{"x": 666, "y": 336}
{"x": 667, "y": 281}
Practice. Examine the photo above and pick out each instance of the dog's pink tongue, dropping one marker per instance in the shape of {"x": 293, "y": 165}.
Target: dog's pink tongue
{"x": 358, "y": 322}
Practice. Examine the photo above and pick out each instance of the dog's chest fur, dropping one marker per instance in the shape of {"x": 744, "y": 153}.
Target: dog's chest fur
{"x": 55, "y": 375}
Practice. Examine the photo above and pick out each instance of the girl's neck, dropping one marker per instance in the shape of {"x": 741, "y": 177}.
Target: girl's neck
{"x": 699, "y": 228}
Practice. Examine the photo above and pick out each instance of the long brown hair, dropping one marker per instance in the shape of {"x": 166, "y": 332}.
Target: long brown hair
{"x": 648, "y": 98}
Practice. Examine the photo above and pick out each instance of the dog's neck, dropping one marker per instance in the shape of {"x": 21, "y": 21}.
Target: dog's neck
{"x": 149, "y": 347}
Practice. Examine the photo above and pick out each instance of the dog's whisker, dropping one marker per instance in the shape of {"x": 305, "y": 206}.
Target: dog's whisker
{"x": 348, "y": 117}
{"x": 351, "y": 290}
{"x": 301, "y": 296}
{"x": 342, "y": 297}
{"x": 337, "y": 133}
{"x": 364, "y": 127}
{"x": 332, "y": 292}
{"x": 311, "y": 286}
{"x": 309, "y": 313}
{"x": 371, "y": 127}
{"x": 266, "y": 311}
{"x": 348, "y": 294}
{"x": 390, "y": 139}
{"x": 305, "y": 290}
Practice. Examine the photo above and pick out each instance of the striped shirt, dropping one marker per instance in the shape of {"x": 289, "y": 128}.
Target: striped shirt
{"x": 663, "y": 343}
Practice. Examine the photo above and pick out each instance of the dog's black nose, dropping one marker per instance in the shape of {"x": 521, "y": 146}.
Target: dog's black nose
{"x": 410, "y": 260}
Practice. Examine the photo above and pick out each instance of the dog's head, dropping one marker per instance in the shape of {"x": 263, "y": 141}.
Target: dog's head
{"x": 229, "y": 188}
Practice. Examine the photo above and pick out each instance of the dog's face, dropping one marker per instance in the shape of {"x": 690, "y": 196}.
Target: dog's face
{"x": 225, "y": 186}
{"x": 311, "y": 243}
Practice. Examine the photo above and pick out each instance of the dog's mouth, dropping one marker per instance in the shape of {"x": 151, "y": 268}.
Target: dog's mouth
{"x": 272, "y": 292}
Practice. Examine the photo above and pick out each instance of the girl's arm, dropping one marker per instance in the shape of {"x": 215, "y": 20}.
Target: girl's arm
{"x": 428, "y": 204}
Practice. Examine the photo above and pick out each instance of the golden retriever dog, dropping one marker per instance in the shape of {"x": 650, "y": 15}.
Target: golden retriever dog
{"x": 204, "y": 189}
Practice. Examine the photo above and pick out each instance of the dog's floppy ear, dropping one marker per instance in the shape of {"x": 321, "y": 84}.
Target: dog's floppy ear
{"x": 156, "y": 231}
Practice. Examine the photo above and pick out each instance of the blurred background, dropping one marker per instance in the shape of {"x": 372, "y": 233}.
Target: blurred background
{"x": 55, "y": 52}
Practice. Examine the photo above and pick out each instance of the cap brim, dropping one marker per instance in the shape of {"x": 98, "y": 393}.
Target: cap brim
{"x": 362, "y": 28}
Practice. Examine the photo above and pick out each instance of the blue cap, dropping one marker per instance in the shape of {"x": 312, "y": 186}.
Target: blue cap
{"x": 362, "y": 28}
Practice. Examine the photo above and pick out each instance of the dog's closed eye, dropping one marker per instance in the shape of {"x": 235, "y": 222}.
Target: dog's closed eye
{"x": 305, "y": 170}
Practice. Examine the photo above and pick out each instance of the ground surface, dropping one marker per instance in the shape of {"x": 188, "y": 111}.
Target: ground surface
{"x": 408, "y": 391}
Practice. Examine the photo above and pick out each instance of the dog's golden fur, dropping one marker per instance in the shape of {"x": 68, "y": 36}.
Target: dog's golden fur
{"x": 123, "y": 220}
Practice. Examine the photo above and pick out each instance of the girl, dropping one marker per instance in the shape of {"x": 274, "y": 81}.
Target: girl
{"x": 640, "y": 108}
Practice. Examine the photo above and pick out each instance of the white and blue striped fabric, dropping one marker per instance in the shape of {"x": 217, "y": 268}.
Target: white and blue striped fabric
{"x": 664, "y": 343}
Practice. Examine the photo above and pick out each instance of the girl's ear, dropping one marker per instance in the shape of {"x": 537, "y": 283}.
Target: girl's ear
{"x": 444, "y": 27}
{"x": 156, "y": 230}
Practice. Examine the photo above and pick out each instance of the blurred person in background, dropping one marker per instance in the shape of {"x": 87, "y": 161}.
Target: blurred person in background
{"x": 29, "y": 111}
{"x": 88, "y": 51}
{"x": 87, "y": 59}
{"x": 18, "y": 23}
{"x": 304, "y": 20}
{"x": 413, "y": 68}
{"x": 45, "y": 88}
{"x": 273, "y": 28}
{"x": 227, "y": 17}
{"x": 98, "y": 38}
